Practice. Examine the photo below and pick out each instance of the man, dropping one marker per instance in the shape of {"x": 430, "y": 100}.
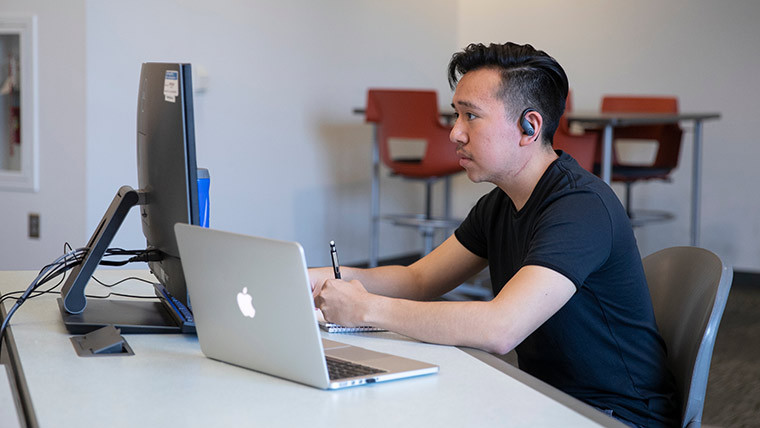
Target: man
{"x": 570, "y": 292}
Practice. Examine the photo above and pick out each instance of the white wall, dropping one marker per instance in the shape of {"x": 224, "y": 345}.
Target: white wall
{"x": 287, "y": 157}
{"x": 61, "y": 198}
{"x": 704, "y": 52}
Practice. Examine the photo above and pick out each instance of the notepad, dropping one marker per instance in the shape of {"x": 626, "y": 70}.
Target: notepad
{"x": 337, "y": 328}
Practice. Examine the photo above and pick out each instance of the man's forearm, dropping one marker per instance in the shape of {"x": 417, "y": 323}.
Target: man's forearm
{"x": 473, "y": 324}
{"x": 391, "y": 281}
{"x": 531, "y": 297}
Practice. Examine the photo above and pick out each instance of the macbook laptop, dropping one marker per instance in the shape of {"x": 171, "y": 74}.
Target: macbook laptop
{"x": 253, "y": 307}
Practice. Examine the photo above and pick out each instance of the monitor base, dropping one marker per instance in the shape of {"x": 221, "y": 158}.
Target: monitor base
{"x": 130, "y": 317}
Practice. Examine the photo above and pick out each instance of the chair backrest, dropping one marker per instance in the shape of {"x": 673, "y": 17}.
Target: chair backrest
{"x": 639, "y": 104}
{"x": 412, "y": 114}
{"x": 667, "y": 136}
{"x": 689, "y": 288}
{"x": 564, "y": 125}
{"x": 581, "y": 147}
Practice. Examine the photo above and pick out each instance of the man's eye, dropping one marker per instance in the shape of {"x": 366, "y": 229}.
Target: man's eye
{"x": 469, "y": 116}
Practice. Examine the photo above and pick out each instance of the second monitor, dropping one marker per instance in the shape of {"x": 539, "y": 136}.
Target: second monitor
{"x": 168, "y": 193}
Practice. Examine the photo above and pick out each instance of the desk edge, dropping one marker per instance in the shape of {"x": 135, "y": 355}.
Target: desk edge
{"x": 19, "y": 389}
{"x": 544, "y": 388}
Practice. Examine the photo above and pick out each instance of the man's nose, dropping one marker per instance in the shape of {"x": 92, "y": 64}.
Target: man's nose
{"x": 457, "y": 135}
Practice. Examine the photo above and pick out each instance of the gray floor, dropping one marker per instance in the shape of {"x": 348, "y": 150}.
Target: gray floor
{"x": 733, "y": 388}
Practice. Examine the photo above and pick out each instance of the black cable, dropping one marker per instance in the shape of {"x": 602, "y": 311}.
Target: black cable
{"x": 63, "y": 264}
{"x": 34, "y": 294}
{"x": 138, "y": 256}
{"x": 120, "y": 281}
{"x": 130, "y": 296}
{"x": 113, "y": 263}
{"x": 43, "y": 276}
{"x": 121, "y": 251}
{"x": 67, "y": 266}
{"x": 51, "y": 290}
{"x": 67, "y": 248}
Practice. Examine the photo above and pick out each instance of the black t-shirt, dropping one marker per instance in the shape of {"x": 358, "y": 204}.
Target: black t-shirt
{"x": 602, "y": 346}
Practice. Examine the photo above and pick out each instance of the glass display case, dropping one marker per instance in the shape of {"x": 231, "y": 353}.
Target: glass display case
{"x": 18, "y": 112}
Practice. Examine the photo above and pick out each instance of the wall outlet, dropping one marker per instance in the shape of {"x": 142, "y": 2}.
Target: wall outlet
{"x": 34, "y": 225}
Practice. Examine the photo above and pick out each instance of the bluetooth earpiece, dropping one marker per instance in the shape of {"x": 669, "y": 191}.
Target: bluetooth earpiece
{"x": 525, "y": 124}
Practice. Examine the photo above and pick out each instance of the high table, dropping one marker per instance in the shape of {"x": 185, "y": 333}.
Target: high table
{"x": 168, "y": 382}
{"x": 610, "y": 120}
{"x": 605, "y": 120}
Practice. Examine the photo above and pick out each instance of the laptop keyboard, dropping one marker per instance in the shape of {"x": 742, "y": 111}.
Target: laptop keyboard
{"x": 186, "y": 314}
{"x": 340, "y": 369}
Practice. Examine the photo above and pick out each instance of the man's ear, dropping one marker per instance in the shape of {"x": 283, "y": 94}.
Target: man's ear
{"x": 530, "y": 120}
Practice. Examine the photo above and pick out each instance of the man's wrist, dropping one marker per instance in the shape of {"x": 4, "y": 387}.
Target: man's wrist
{"x": 374, "y": 308}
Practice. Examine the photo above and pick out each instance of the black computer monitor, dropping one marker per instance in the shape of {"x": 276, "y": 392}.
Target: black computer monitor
{"x": 166, "y": 167}
{"x": 168, "y": 194}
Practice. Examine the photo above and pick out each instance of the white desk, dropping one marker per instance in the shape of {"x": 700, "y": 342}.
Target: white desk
{"x": 168, "y": 382}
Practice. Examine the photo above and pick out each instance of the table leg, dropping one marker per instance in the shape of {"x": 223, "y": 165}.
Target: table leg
{"x": 607, "y": 154}
{"x": 696, "y": 182}
{"x": 374, "y": 234}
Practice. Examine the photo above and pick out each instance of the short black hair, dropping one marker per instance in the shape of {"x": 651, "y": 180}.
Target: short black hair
{"x": 530, "y": 78}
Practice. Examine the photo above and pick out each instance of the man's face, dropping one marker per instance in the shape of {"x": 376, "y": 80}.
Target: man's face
{"x": 487, "y": 141}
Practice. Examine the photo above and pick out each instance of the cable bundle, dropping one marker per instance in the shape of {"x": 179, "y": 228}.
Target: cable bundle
{"x": 62, "y": 265}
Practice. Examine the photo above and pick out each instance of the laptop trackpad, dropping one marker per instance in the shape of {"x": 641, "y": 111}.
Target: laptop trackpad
{"x": 354, "y": 353}
{"x": 389, "y": 363}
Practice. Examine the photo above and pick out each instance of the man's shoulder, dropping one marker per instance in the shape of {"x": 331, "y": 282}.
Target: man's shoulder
{"x": 576, "y": 176}
{"x": 570, "y": 181}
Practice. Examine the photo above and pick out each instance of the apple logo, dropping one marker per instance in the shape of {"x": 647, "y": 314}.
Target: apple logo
{"x": 245, "y": 303}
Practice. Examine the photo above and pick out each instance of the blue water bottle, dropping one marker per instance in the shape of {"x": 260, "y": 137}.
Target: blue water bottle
{"x": 204, "y": 182}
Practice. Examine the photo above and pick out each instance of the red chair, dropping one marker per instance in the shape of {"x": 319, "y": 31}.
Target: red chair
{"x": 412, "y": 114}
{"x": 668, "y": 138}
{"x": 582, "y": 147}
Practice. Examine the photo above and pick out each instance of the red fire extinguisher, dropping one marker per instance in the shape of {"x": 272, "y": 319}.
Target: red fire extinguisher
{"x": 15, "y": 128}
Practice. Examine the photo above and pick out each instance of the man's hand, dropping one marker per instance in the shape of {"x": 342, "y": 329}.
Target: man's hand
{"x": 342, "y": 302}
{"x": 317, "y": 278}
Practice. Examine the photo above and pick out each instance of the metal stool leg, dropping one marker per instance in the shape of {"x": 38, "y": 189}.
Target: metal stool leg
{"x": 428, "y": 232}
{"x": 447, "y": 202}
{"x": 374, "y": 233}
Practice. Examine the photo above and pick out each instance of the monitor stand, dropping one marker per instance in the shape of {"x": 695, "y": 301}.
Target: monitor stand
{"x": 163, "y": 316}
